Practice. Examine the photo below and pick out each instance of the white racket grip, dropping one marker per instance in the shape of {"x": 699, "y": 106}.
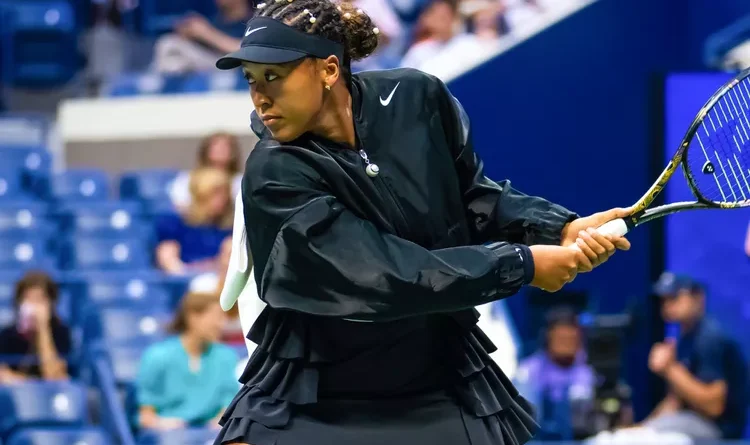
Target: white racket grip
{"x": 616, "y": 227}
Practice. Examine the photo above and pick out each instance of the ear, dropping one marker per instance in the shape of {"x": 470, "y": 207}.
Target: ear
{"x": 330, "y": 70}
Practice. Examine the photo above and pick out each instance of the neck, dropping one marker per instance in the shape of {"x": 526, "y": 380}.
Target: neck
{"x": 336, "y": 121}
{"x": 193, "y": 345}
{"x": 689, "y": 325}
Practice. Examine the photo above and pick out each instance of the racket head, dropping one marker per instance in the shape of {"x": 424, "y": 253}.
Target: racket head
{"x": 715, "y": 152}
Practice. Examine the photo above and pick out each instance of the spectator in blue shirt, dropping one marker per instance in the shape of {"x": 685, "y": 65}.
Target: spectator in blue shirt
{"x": 188, "y": 380}
{"x": 189, "y": 242}
{"x": 705, "y": 371}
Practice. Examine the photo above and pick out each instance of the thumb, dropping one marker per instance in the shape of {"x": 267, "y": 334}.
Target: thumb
{"x": 617, "y": 212}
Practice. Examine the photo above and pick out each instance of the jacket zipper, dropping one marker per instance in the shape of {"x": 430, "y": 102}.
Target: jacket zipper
{"x": 370, "y": 167}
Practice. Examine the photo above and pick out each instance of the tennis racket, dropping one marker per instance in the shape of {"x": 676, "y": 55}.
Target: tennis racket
{"x": 715, "y": 157}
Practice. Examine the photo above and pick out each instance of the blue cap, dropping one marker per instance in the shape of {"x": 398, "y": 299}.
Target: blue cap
{"x": 670, "y": 284}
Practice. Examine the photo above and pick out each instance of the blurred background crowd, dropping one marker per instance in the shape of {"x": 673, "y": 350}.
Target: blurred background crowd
{"x": 122, "y": 148}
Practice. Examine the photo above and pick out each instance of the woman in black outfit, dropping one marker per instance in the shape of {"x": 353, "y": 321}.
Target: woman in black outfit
{"x": 373, "y": 234}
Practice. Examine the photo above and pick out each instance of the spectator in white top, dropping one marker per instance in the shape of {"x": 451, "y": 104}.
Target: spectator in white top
{"x": 219, "y": 150}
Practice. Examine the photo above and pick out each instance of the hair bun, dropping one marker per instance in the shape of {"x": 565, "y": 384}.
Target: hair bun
{"x": 361, "y": 33}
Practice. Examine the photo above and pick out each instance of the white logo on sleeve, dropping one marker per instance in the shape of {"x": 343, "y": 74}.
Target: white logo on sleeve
{"x": 250, "y": 31}
{"x": 386, "y": 101}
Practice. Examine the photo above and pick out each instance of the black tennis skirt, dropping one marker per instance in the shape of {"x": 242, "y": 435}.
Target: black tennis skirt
{"x": 431, "y": 419}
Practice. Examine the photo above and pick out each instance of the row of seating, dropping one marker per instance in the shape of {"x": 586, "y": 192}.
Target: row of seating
{"x": 25, "y": 175}
{"x": 57, "y": 413}
{"x": 39, "y": 38}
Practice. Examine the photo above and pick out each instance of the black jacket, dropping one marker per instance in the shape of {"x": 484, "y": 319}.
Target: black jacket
{"x": 329, "y": 240}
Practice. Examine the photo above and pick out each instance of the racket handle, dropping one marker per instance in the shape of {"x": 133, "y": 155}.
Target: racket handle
{"x": 616, "y": 227}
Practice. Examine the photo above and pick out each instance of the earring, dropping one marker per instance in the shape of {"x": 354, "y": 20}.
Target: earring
{"x": 328, "y": 87}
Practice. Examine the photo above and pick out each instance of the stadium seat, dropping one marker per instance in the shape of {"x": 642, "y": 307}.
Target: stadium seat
{"x": 7, "y": 314}
{"x": 79, "y": 184}
{"x": 23, "y": 130}
{"x": 112, "y": 218}
{"x": 23, "y": 215}
{"x": 35, "y": 403}
{"x": 158, "y": 17}
{"x": 60, "y": 436}
{"x": 31, "y": 161}
{"x": 147, "y": 185}
{"x": 112, "y": 253}
{"x": 123, "y": 326}
{"x": 141, "y": 84}
{"x": 214, "y": 81}
{"x": 189, "y": 436}
{"x": 125, "y": 359}
{"x": 24, "y": 254}
{"x": 39, "y": 45}
{"x": 11, "y": 185}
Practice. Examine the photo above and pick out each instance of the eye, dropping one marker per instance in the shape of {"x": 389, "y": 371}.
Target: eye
{"x": 271, "y": 76}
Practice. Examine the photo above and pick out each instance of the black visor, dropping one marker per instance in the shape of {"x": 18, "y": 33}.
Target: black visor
{"x": 269, "y": 41}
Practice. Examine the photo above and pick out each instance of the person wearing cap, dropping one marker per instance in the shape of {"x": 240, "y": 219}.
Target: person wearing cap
{"x": 704, "y": 369}
{"x": 372, "y": 234}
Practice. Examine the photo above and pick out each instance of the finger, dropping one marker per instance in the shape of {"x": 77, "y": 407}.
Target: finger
{"x": 584, "y": 257}
{"x": 594, "y": 245}
{"x": 621, "y": 243}
{"x": 590, "y": 255}
{"x": 603, "y": 241}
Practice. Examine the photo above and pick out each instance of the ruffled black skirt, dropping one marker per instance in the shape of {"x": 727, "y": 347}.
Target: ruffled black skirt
{"x": 280, "y": 403}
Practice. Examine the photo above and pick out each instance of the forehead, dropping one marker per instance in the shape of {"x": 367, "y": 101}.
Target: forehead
{"x": 252, "y": 67}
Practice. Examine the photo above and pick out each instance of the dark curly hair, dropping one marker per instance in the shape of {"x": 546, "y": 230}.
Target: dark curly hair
{"x": 341, "y": 22}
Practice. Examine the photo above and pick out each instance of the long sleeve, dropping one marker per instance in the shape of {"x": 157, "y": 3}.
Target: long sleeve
{"x": 313, "y": 255}
{"x": 495, "y": 210}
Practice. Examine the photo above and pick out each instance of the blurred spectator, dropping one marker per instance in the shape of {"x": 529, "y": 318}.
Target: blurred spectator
{"x": 561, "y": 362}
{"x": 197, "y": 41}
{"x": 220, "y": 150}
{"x": 211, "y": 282}
{"x": 441, "y": 38}
{"x": 38, "y": 338}
{"x": 558, "y": 373}
{"x": 190, "y": 241}
{"x": 186, "y": 381}
{"x": 705, "y": 371}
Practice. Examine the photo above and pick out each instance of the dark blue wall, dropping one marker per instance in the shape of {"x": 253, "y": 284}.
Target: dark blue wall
{"x": 574, "y": 115}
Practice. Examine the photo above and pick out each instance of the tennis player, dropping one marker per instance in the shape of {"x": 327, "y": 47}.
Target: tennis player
{"x": 373, "y": 234}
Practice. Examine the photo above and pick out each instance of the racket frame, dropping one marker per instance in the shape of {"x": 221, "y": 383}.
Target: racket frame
{"x": 640, "y": 213}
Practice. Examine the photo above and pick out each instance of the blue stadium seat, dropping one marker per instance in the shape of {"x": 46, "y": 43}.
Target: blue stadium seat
{"x": 123, "y": 326}
{"x": 32, "y": 160}
{"x": 135, "y": 84}
{"x": 148, "y": 186}
{"x": 215, "y": 81}
{"x": 191, "y": 436}
{"x": 79, "y": 184}
{"x": 35, "y": 403}
{"x": 158, "y": 17}
{"x": 112, "y": 218}
{"x": 23, "y": 130}
{"x": 39, "y": 47}
{"x": 7, "y": 314}
{"x": 125, "y": 360}
{"x": 60, "y": 436}
{"x": 11, "y": 185}
{"x": 111, "y": 253}
{"x": 24, "y": 254}
{"x": 23, "y": 215}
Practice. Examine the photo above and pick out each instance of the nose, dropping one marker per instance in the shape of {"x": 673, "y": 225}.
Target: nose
{"x": 261, "y": 100}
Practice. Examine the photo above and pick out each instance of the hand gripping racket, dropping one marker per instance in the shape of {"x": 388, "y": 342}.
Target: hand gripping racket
{"x": 715, "y": 157}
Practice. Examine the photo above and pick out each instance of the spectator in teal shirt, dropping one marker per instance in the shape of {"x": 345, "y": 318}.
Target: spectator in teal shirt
{"x": 188, "y": 380}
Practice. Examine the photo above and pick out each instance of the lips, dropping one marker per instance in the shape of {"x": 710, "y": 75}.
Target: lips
{"x": 270, "y": 119}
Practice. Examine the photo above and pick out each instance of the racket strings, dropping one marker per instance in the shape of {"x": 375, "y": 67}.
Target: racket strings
{"x": 718, "y": 158}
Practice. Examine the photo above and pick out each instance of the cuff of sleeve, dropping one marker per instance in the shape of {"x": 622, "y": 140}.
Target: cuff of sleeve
{"x": 528, "y": 262}
{"x": 525, "y": 257}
